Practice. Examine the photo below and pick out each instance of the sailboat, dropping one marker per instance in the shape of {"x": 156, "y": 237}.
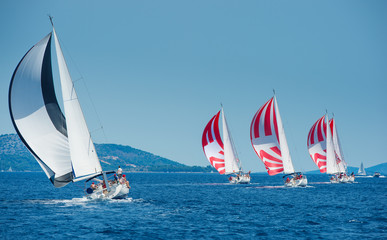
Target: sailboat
{"x": 268, "y": 138}
{"x": 223, "y": 155}
{"x": 61, "y": 143}
{"x": 361, "y": 171}
{"x": 321, "y": 148}
{"x": 344, "y": 177}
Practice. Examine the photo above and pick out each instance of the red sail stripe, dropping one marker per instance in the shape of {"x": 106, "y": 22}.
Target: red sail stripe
{"x": 319, "y": 129}
{"x": 323, "y": 170}
{"x": 263, "y": 154}
{"x": 273, "y": 165}
{"x": 214, "y": 159}
{"x": 325, "y": 128}
{"x": 267, "y": 119}
{"x": 274, "y": 172}
{"x": 321, "y": 164}
{"x": 216, "y": 130}
{"x": 311, "y": 135}
{"x": 331, "y": 126}
{"x": 208, "y": 133}
{"x": 221, "y": 152}
{"x": 317, "y": 156}
{"x": 276, "y": 150}
{"x": 256, "y": 120}
{"x": 219, "y": 165}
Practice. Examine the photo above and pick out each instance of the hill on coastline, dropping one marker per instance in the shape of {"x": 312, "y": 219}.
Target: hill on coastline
{"x": 14, "y": 154}
{"x": 382, "y": 168}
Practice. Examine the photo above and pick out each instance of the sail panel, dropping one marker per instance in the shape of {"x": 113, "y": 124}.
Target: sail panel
{"x": 212, "y": 144}
{"x": 230, "y": 158}
{"x": 280, "y": 131}
{"x": 317, "y": 145}
{"x": 265, "y": 138}
{"x": 332, "y": 167}
{"x": 32, "y": 102}
{"x": 83, "y": 155}
{"x": 336, "y": 143}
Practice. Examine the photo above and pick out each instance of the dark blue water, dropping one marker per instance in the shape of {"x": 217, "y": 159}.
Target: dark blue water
{"x": 194, "y": 206}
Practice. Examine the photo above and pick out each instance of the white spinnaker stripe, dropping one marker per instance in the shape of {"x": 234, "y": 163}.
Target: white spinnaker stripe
{"x": 83, "y": 155}
{"x": 230, "y": 159}
{"x": 286, "y": 159}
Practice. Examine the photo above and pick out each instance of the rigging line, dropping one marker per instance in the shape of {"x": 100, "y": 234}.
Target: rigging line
{"x": 82, "y": 79}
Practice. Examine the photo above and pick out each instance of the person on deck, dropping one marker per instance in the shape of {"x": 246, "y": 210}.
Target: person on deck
{"x": 287, "y": 180}
{"x": 119, "y": 172}
{"x": 93, "y": 186}
{"x": 124, "y": 181}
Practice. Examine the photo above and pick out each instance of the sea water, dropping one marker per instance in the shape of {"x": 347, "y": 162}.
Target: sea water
{"x": 194, "y": 206}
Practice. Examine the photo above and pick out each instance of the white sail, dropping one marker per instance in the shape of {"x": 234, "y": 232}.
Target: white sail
{"x": 332, "y": 167}
{"x": 361, "y": 171}
{"x": 230, "y": 158}
{"x": 342, "y": 166}
{"x": 84, "y": 158}
{"x": 286, "y": 159}
{"x": 36, "y": 114}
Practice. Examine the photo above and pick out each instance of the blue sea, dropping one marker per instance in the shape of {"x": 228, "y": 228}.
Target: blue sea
{"x": 194, "y": 206}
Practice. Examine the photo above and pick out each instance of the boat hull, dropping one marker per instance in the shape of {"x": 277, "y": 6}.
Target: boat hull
{"x": 117, "y": 191}
{"x": 244, "y": 179}
{"x": 301, "y": 182}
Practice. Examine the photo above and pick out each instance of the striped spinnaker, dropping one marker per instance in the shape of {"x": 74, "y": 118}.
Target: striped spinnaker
{"x": 317, "y": 144}
{"x": 265, "y": 138}
{"x": 213, "y": 145}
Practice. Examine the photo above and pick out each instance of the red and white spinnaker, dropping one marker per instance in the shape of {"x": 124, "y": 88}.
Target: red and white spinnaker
{"x": 321, "y": 148}
{"x": 269, "y": 141}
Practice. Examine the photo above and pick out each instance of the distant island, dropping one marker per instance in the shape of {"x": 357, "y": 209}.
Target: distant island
{"x": 14, "y": 155}
{"x": 381, "y": 168}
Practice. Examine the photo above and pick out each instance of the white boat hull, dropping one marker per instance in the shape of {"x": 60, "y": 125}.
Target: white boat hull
{"x": 351, "y": 179}
{"x": 301, "y": 182}
{"x": 117, "y": 191}
{"x": 244, "y": 179}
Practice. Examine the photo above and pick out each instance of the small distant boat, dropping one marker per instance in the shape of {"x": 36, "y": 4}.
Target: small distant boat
{"x": 361, "y": 171}
{"x": 61, "y": 143}
{"x": 268, "y": 139}
{"x": 223, "y": 155}
{"x": 377, "y": 175}
{"x": 9, "y": 169}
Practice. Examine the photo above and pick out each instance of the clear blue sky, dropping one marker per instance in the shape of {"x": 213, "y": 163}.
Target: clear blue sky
{"x": 157, "y": 71}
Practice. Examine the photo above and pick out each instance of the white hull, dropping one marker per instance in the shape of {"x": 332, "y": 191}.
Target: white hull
{"x": 244, "y": 179}
{"x": 302, "y": 182}
{"x": 117, "y": 191}
{"x": 351, "y": 179}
